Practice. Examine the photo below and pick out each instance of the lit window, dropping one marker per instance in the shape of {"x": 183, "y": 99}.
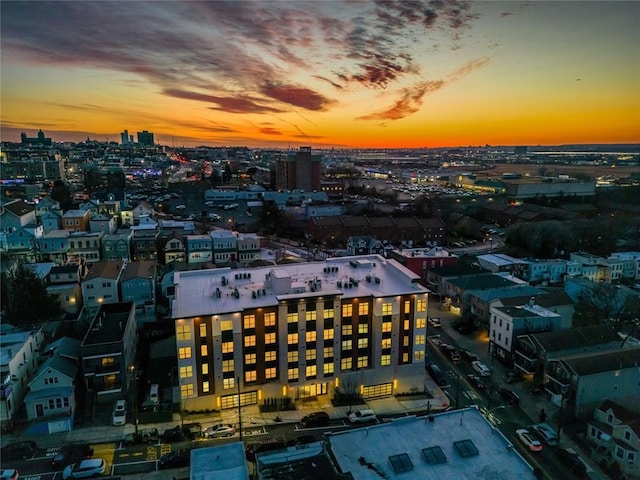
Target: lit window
{"x": 385, "y": 360}
{"x": 186, "y": 391}
{"x": 270, "y": 356}
{"x": 269, "y": 338}
{"x": 420, "y": 339}
{"x": 329, "y": 313}
{"x": 310, "y": 315}
{"x": 205, "y": 369}
{"x": 250, "y": 358}
{"x": 363, "y": 362}
{"x": 183, "y": 332}
{"x": 347, "y": 310}
{"x": 311, "y": 354}
{"x": 347, "y": 329}
{"x": 270, "y": 373}
{"x": 184, "y": 352}
{"x": 270, "y": 319}
{"x": 228, "y": 383}
{"x": 292, "y": 374}
{"x": 421, "y": 322}
{"x": 346, "y": 363}
{"x": 387, "y": 309}
{"x": 327, "y": 352}
{"x": 186, "y": 372}
{"x": 386, "y": 326}
{"x": 250, "y": 341}
{"x": 405, "y": 357}
{"x": 385, "y": 343}
{"x": 226, "y": 325}
{"x": 407, "y": 306}
{"x": 363, "y": 328}
{"x": 249, "y": 321}
{"x": 292, "y": 317}
{"x": 328, "y": 334}
{"x": 418, "y": 355}
{"x": 421, "y": 305}
{"x": 363, "y": 309}
{"x": 250, "y": 376}
{"x": 205, "y": 386}
{"x": 405, "y": 341}
{"x": 203, "y": 350}
{"x": 292, "y": 338}
{"x": 363, "y": 342}
{"x": 228, "y": 365}
{"x": 311, "y": 336}
{"x": 227, "y": 347}
{"x": 311, "y": 371}
{"x": 347, "y": 345}
{"x": 203, "y": 329}
{"x": 328, "y": 368}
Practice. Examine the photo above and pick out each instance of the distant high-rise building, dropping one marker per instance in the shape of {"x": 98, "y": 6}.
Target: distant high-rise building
{"x": 299, "y": 171}
{"x": 124, "y": 137}
{"x": 145, "y": 138}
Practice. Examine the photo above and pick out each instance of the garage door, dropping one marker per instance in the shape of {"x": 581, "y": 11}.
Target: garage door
{"x": 382, "y": 390}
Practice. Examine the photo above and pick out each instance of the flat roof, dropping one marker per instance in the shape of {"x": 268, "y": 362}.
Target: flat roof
{"x": 457, "y": 445}
{"x": 214, "y": 463}
{"x": 222, "y": 290}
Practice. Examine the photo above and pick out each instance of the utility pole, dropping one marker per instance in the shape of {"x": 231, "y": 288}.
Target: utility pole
{"x": 132, "y": 370}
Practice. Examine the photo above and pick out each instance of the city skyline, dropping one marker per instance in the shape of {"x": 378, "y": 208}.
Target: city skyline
{"x": 326, "y": 74}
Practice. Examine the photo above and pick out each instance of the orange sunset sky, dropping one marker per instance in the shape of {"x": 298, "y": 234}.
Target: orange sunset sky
{"x": 326, "y": 73}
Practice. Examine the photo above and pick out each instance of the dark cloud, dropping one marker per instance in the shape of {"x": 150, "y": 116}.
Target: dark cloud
{"x": 270, "y": 131}
{"x": 408, "y": 103}
{"x": 296, "y": 95}
{"x": 227, "y": 104}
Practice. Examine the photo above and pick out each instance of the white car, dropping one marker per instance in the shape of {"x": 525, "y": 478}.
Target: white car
{"x": 91, "y": 467}
{"x": 218, "y": 431}
{"x": 481, "y": 368}
{"x": 435, "y": 322}
{"x": 530, "y": 441}
{"x": 119, "y": 416}
{"x": 362, "y": 416}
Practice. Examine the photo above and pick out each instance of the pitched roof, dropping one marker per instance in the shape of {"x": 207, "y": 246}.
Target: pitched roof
{"x": 573, "y": 338}
{"x": 19, "y": 207}
{"x": 59, "y": 364}
{"x": 139, "y": 269}
{"x": 104, "y": 269}
{"x": 604, "y": 361}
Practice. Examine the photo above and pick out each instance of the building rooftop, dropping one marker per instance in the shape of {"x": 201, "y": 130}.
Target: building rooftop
{"x": 500, "y": 259}
{"x": 308, "y": 462}
{"x": 527, "y": 310}
{"x": 75, "y": 213}
{"x": 456, "y": 445}
{"x": 591, "y": 364}
{"x": 434, "y": 252}
{"x": 576, "y": 338}
{"x": 214, "y": 463}
{"x": 104, "y": 269}
{"x": 222, "y": 290}
{"x": 139, "y": 269}
{"x": 484, "y": 281}
{"x": 109, "y": 324}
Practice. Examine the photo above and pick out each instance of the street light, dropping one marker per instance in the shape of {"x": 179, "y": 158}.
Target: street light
{"x": 132, "y": 372}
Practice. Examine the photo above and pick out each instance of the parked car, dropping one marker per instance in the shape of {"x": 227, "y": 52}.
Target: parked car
{"x": 192, "y": 430}
{"x": 529, "y": 440}
{"x": 177, "y": 458}
{"x": 571, "y": 460}
{"x": 71, "y": 453}
{"x": 468, "y": 356}
{"x": 119, "y": 416}
{"x": 481, "y": 368}
{"x": 18, "y": 450}
{"x": 219, "y": 431}
{"x": 89, "y": 468}
{"x": 301, "y": 440}
{"x": 436, "y": 374}
{"x": 547, "y": 434}
{"x": 513, "y": 376}
{"x": 362, "y": 416}
{"x": 9, "y": 474}
{"x": 464, "y": 326}
{"x": 477, "y": 382}
{"x": 174, "y": 434}
{"x": 509, "y": 397}
{"x": 435, "y": 322}
{"x": 315, "y": 419}
{"x": 263, "y": 446}
{"x": 146, "y": 435}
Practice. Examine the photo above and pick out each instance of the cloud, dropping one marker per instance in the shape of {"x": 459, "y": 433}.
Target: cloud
{"x": 227, "y": 104}
{"x": 408, "y": 103}
{"x": 270, "y": 131}
{"x": 296, "y": 95}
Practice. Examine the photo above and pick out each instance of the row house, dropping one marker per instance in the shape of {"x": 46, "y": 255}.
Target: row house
{"x": 581, "y": 382}
{"x": 172, "y": 248}
{"x": 76, "y": 220}
{"x": 117, "y": 245}
{"x": 108, "y": 350}
{"x": 598, "y": 269}
{"x": 100, "y": 285}
{"x": 138, "y": 285}
{"x": 46, "y": 205}
{"x": 479, "y": 301}
{"x": 459, "y": 290}
{"x": 64, "y": 282}
{"x": 551, "y": 271}
{"x": 420, "y": 260}
{"x": 103, "y": 223}
{"x": 364, "y": 245}
{"x": 85, "y": 247}
{"x": 248, "y": 248}
{"x": 554, "y": 301}
{"x": 508, "y": 323}
{"x": 350, "y": 325}
{"x": 615, "y": 431}
{"x": 498, "y": 262}
{"x": 199, "y": 249}
{"x": 630, "y": 264}
{"x": 51, "y": 221}
{"x": 144, "y": 243}
{"x": 20, "y": 244}
{"x": 225, "y": 247}
{"x": 16, "y": 214}
{"x": 18, "y": 362}
{"x": 533, "y": 351}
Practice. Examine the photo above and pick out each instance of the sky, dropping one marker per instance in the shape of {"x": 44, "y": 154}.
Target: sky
{"x": 322, "y": 73}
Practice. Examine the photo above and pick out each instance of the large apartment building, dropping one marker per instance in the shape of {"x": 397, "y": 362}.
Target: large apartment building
{"x": 348, "y": 325}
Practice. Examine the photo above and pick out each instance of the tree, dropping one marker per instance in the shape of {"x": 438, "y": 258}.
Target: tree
{"x": 607, "y": 303}
{"x": 62, "y": 193}
{"x": 27, "y": 300}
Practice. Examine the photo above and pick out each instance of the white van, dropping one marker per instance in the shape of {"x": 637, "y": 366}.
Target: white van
{"x": 154, "y": 395}
{"x": 362, "y": 416}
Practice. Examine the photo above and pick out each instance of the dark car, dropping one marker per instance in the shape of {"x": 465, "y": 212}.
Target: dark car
{"x": 174, "y": 434}
{"x": 192, "y": 430}
{"x": 476, "y": 381}
{"x": 513, "y": 376}
{"x": 464, "y": 326}
{"x": 468, "y": 356}
{"x": 147, "y": 435}
{"x": 18, "y": 450}
{"x": 177, "y": 458}
{"x": 436, "y": 374}
{"x": 572, "y": 461}
{"x": 301, "y": 440}
{"x": 315, "y": 419}
{"x": 509, "y": 397}
{"x": 264, "y": 446}
{"x": 72, "y": 453}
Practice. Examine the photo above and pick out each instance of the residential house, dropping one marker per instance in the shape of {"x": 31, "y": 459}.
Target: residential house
{"x": 51, "y": 221}
{"x": 630, "y": 265}
{"x": 20, "y": 244}
{"x": 54, "y": 245}
{"x": 18, "y": 362}
{"x": 437, "y": 277}
{"x": 144, "y": 243}
{"x": 248, "y": 248}
{"x": 479, "y": 301}
{"x": 64, "y": 282}
{"x": 85, "y": 246}
{"x": 76, "y": 220}
{"x": 100, "y": 285}
{"x": 172, "y": 248}
{"x": 364, "y": 245}
{"x": 90, "y": 206}
{"x": 555, "y": 301}
{"x": 459, "y": 289}
{"x": 108, "y": 351}
{"x": 16, "y": 214}
{"x": 420, "y": 260}
{"x": 46, "y": 205}
{"x": 167, "y": 286}
{"x": 615, "y": 430}
{"x": 117, "y": 245}
{"x": 138, "y": 285}
{"x": 498, "y": 262}
{"x": 199, "y": 249}
{"x": 140, "y": 211}
{"x": 225, "y": 247}
{"x": 103, "y": 223}
{"x": 508, "y": 323}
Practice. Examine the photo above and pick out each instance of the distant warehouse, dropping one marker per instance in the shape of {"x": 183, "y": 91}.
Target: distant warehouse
{"x": 524, "y": 188}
